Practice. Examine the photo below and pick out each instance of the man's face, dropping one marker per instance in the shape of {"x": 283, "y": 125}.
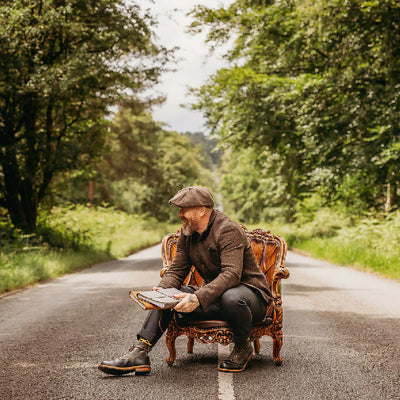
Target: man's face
{"x": 190, "y": 217}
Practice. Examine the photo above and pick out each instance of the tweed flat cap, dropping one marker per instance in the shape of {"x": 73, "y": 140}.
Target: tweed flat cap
{"x": 193, "y": 196}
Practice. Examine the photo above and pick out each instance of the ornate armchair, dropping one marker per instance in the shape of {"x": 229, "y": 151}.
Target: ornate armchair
{"x": 270, "y": 251}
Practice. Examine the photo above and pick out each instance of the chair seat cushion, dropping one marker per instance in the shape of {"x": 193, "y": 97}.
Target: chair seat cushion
{"x": 206, "y": 324}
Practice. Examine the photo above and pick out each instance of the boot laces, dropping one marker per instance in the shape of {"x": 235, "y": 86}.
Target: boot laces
{"x": 134, "y": 347}
{"x": 131, "y": 349}
{"x": 140, "y": 345}
{"x": 237, "y": 350}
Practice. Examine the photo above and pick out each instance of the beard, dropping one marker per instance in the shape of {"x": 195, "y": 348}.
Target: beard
{"x": 189, "y": 227}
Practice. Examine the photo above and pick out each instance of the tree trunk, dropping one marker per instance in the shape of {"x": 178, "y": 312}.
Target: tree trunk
{"x": 20, "y": 195}
{"x": 22, "y": 208}
{"x": 390, "y": 194}
{"x": 90, "y": 192}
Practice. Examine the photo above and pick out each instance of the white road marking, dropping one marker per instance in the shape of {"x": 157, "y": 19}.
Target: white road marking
{"x": 225, "y": 379}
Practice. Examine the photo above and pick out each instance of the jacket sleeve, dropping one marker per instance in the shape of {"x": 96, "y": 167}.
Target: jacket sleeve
{"x": 180, "y": 267}
{"x": 231, "y": 252}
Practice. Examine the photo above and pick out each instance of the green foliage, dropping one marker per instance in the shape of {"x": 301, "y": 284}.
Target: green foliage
{"x": 250, "y": 186}
{"x": 62, "y": 64}
{"x": 315, "y": 85}
{"x": 142, "y": 169}
{"x": 147, "y": 164}
{"x": 71, "y": 238}
{"x": 207, "y": 146}
{"x": 98, "y": 228}
{"x": 367, "y": 243}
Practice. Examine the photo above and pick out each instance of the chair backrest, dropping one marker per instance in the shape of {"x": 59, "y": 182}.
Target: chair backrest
{"x": 270, "y": 251}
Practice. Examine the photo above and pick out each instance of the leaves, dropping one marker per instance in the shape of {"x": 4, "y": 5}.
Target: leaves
{"x": 62, "y": 65}
{"x": 314, "y": 84}
{"x": 146, "y": 164}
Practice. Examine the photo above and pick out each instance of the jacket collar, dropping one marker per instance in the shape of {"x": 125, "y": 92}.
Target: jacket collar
{"x": 213, "y": 215}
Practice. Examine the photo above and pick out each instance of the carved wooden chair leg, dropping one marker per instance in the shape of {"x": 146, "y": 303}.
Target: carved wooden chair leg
{"x": 190, "y": 345}
{"x": 256, "y": 346}
{"x": 277, "y": 344}
{"x": 170, "y": 338}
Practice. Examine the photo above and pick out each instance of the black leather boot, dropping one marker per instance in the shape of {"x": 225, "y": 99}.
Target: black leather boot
{"x": 136, "y": 360}
{"x": 238, "y": 359}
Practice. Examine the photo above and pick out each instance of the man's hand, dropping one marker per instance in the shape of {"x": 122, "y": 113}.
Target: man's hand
{"x": 188, "y": 303}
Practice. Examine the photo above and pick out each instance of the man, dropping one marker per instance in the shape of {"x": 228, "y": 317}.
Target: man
{"x": 234, "y": 289}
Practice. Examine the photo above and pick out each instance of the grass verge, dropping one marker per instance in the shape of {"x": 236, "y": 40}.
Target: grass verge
{"x": 369, "y": 244}
{"x": 70, "y": 239}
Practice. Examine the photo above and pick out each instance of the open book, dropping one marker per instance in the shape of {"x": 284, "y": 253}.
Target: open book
{"x": 156, "y": 299}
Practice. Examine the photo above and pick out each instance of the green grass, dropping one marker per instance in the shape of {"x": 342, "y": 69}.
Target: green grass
{"x": 70, "y": 239}
{"x": 369, "y": 244}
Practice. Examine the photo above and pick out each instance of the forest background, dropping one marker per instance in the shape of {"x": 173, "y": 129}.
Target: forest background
{"x": 303, "y": 131}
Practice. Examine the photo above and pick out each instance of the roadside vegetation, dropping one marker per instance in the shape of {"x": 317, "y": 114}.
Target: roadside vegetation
{"x": 370, "y": 243}
{"x": 72, "y": 238}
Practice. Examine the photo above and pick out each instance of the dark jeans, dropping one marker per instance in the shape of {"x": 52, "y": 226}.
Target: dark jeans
{"x": 239, "y": 306}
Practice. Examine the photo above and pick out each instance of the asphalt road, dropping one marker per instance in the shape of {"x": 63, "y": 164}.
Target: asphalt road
{"x": 341, "y": 339}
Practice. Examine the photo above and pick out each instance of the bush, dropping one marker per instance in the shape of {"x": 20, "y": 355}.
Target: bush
{"x": 71, "y": 238}
{"x": 368, "y": 243}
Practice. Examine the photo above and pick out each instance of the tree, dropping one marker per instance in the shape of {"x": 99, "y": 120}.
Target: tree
{"x": 314, "y": 84}
{"x": 62, "y": 64}
{"x": 251, "y": 186}
{"x": 207, "y": 146}
{"x": 146, "y": 164}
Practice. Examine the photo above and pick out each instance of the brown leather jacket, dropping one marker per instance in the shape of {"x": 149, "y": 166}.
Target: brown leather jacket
{"x": 222, "y": 255}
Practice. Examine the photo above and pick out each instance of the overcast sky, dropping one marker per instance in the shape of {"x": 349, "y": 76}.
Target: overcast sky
{"x": 195, "y": 65}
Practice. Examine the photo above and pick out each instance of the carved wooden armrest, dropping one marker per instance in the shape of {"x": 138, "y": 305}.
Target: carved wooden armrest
{"x": 281, "y": 273}
{"x": 166, "y": 264}
{"x": 163, "y": 270}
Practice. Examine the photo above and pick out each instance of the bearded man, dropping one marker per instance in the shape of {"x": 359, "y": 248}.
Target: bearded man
{"x": 234, "y": 289}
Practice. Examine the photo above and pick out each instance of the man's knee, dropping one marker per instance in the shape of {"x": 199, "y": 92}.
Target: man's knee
{"x": 232, "y": 299}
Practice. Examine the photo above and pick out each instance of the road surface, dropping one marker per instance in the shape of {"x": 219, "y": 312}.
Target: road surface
{"x": 341, "y": 339}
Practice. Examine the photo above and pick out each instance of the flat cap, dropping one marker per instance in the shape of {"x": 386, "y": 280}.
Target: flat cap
{"x": 193, "y": 196}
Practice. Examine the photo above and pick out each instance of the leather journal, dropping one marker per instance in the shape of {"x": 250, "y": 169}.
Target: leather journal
{"x": 156, "y": 299}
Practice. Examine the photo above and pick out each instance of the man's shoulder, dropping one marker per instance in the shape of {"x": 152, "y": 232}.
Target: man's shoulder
{"x": 222, "y": 218}
{"x": 224, "y": 224}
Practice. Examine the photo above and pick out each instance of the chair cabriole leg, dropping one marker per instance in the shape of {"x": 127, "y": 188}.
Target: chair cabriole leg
{"x": 190, "y": 345}
{"x": 170, "y": 337}
{"x": 277, "y": 344}
{"x": 257, "y": 346}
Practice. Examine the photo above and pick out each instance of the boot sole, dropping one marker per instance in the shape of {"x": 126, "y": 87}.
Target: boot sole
{"x": 139, "y": 369}
{"x": 236, "y": 370}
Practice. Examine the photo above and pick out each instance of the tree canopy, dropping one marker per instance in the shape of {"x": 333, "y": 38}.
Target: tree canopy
{"x": 313, "y": 96}
{"x": 142, "y": 166}
{"x": 146, "y": 164}
{"x": 62, "y": 64}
